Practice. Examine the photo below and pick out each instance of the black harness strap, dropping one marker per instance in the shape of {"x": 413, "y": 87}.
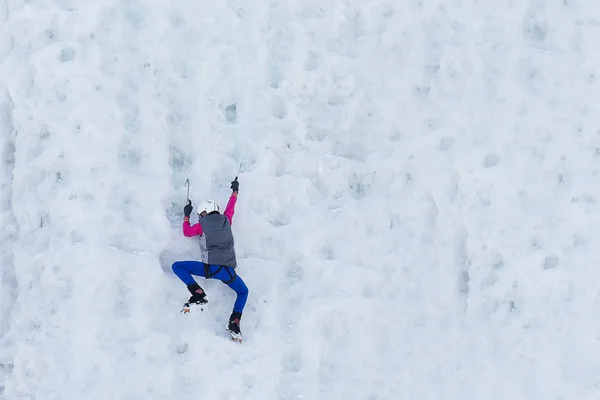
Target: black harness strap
{"x": 208, "y": 275}
{"x": 232, "y": 276}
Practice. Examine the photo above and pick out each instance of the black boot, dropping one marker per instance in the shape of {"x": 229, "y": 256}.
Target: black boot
{"x": 234, "y": 326}
{"x": 198, "y": 297}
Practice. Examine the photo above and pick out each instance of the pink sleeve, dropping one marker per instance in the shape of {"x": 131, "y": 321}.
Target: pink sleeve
{"x": 230, "y": 209}
{"x": 189, "y": 231}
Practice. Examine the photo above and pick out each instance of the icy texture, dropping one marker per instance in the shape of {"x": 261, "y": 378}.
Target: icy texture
{"x": 418, "y": 212}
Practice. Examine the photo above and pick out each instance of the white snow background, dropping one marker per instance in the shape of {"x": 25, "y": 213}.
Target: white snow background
{"x": 418, "y": 209}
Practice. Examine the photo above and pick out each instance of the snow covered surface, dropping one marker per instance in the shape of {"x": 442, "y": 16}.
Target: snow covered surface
{"x": 418, "y": 211}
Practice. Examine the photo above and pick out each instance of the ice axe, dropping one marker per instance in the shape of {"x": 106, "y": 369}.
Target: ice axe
{"x": 187, "y": 182}
{"x": 239, "y": 171}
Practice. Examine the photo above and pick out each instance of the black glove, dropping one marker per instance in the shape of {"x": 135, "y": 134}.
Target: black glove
{"x": 187, "y": 210}
{"x": 235, "y": 185}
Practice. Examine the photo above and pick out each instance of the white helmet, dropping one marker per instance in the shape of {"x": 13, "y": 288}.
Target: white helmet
{"x": 208, "y": 206}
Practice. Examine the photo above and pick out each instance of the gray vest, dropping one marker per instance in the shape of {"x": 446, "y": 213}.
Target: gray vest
{"x": 216, "y": 242}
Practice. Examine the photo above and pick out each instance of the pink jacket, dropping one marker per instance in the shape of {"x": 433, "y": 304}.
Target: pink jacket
{"x": 196, "y": 230}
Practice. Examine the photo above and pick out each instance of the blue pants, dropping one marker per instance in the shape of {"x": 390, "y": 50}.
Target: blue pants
{"x": 185, "y": 269}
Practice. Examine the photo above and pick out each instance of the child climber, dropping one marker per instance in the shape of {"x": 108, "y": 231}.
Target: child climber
{"x": 218, "y": 257}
